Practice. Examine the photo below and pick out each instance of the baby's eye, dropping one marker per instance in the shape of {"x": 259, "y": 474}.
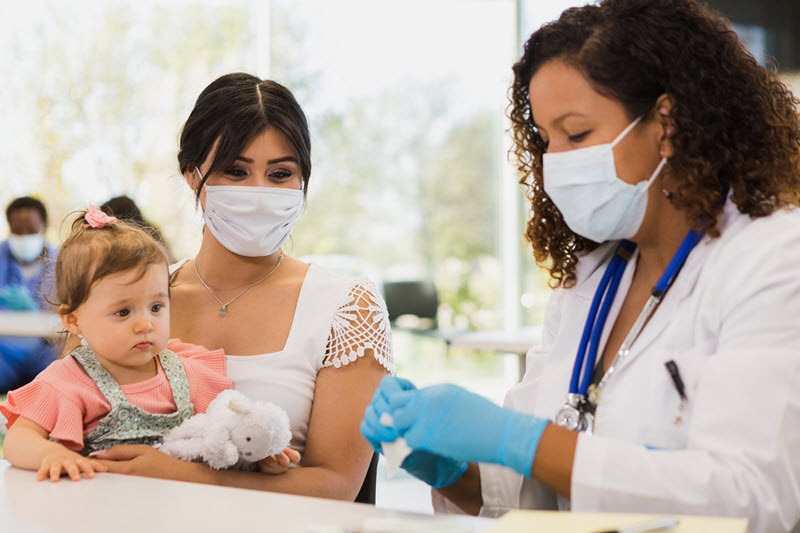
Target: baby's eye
{"x": 123, "y": 313}
{"x": 157, "y": 307}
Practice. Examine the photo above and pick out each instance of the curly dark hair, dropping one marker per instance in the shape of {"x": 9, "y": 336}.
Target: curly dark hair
{"x": 736, "y": 123}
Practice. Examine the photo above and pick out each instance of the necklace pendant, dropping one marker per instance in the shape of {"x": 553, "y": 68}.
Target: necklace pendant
{"x": 223, "y": 310}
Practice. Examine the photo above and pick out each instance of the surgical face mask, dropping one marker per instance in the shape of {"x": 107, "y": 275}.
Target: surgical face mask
{"x": 251, "y": 221}
{"x": 26, "y": 248}
{"x": 594, "y": 202}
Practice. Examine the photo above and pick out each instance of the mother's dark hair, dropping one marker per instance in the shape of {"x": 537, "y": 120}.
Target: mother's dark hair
{"x": 232, "y": 111}
{"x": 736, "y": 123}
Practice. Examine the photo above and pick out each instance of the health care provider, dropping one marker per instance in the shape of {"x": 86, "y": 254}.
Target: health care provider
{"x": 662, "y": 166}
{"x": 26, "y": 271}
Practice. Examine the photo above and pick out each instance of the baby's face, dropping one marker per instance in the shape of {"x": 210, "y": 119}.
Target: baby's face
{"x": 125, "y": 320}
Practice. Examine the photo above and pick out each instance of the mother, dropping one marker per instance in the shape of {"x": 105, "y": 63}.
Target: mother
{"x": 313, "y": 343}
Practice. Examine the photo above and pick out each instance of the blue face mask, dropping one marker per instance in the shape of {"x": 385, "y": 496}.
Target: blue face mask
{"x": 594, "y": 202}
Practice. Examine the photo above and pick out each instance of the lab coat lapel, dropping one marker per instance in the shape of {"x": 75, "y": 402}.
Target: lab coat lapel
{"x": 681, "y": 288}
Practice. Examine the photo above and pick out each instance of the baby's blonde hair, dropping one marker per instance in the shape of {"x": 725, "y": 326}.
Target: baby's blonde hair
{"x": 90, "y": 254}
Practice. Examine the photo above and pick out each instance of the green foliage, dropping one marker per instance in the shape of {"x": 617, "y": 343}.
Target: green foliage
{"x": 105, "y": 97}
{"x": 405, "y": 178}
{"x": 435, "y": 172}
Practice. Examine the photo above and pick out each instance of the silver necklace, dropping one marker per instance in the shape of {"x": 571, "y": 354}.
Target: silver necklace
{"x": 223, "y": 310}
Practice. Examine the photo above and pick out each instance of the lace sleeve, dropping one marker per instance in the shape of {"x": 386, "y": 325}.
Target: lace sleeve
{"x": 360, "y": 327}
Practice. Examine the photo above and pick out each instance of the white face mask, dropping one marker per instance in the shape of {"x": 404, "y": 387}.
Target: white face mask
{"x": 26, "y": 248}
{"x": 594, "y": 202}
{"x": 252, "y": 221}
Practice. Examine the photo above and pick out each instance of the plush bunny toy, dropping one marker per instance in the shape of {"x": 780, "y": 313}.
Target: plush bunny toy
{"x": 234, "y": 432}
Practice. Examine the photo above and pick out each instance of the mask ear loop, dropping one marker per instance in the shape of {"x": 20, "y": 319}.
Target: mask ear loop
{"x": 626, "y": 131}
{"x": 657, "y": 171}
{"x": 660, "y": 163}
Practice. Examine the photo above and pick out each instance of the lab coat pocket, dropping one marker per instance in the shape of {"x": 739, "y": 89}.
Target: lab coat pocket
{"x": 667, "y": 427}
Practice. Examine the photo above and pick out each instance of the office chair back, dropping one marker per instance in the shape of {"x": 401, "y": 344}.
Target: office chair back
{"x": 417, "y": 298}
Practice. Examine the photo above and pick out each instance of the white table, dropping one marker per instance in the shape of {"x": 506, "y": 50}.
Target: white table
{"x": 29, "y": 324}
{"x": 112, "y": 502}
{"x": 517, "y": 342}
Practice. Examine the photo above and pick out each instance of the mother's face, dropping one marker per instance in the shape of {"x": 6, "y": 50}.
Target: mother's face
{"x": 269, "y": 160}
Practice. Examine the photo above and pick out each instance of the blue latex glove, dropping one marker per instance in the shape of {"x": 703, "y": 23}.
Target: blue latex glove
{"x": 373, "y": 430}
{"x": 435, "y": 470}
{"x": 17, "y": 298}
{"x": 452, "y": 422}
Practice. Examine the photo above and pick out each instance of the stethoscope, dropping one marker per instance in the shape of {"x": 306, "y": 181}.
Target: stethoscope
{"x": 577, "y": 414}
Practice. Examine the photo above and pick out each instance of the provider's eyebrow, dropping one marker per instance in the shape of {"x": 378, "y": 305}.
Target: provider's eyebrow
{"x": 289, "y": 158}
{"x": 565, "y": 116}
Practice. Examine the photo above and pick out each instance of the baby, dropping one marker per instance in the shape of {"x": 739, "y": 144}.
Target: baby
{"x": 127, "y": 382}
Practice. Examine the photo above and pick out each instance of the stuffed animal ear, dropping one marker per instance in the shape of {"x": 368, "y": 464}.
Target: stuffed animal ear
{"x": 238, "y": 408}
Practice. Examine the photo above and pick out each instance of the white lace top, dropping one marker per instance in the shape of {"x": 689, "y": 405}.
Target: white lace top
{"x": 328, "y": 330}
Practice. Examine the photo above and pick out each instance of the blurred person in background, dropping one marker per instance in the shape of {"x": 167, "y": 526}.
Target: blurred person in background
{"x": 26, "y": 269}
{"x": 124, "y": 208}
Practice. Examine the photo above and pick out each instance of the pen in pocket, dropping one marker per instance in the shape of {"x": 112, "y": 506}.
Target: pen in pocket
{"x": 675, "y": 374}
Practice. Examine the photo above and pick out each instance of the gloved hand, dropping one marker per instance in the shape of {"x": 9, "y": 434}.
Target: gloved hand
{"x": 452, "y": 422}
{"x": 17, "y": 298}
{"x": 372, "y": 428}
{"x": 435, "y": 470}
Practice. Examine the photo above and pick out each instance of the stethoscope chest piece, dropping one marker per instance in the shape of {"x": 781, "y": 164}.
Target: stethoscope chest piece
{"x": 575, "y": 415}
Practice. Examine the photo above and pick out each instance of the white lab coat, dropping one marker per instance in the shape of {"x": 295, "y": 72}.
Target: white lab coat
{"x": 731, "y": 321}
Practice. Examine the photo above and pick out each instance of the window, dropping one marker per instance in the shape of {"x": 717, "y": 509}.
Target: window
{"x": 406, "y": 101}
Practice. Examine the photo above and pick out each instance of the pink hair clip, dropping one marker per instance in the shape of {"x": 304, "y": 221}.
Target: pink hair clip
{"x": 97, "y": 219}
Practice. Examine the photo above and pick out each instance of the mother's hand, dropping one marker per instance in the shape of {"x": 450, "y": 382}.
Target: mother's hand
{"x": 141, "y": 460}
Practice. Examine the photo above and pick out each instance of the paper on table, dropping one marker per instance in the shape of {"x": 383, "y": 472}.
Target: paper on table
{"x": 518, "y": 521}
{"x": 394, "y": 452}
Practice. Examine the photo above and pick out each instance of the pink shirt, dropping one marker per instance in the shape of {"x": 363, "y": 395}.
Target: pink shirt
{"x": 67, "y": 404}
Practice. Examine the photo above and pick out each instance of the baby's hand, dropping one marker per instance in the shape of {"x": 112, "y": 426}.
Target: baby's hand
{"x": 68, "y": 462}
{"x": 279, "y": 463}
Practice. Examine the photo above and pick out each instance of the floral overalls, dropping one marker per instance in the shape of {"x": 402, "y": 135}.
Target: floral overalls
{"x": 127, "y": 423}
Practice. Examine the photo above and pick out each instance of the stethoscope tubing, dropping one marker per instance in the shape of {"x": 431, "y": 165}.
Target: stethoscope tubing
{"x": 603, "y": 299}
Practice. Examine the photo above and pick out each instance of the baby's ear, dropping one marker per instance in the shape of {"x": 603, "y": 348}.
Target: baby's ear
{"x": 68, "y": 320}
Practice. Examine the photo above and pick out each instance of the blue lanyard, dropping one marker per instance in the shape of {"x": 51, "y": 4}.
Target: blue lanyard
{"x": 604, "y": 298}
